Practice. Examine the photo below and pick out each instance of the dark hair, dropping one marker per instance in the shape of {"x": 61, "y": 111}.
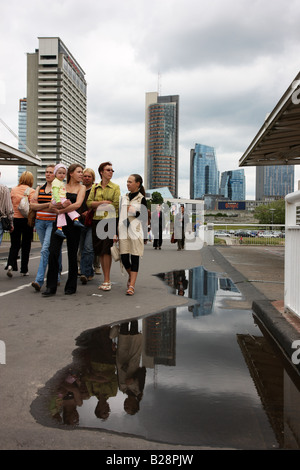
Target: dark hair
{"x": 139, "y": 179}
{"x": 71, "y": 169}
{"x": 102, "y": 166}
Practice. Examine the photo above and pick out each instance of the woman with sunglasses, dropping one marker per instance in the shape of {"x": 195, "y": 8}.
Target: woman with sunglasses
{"x": 104, "y": 199}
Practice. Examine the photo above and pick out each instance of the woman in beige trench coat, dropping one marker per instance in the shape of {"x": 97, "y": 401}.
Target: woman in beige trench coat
{"x": 133, "y": 228}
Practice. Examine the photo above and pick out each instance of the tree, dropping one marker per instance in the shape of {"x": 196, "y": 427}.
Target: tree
{"x": 265, "y": 215}
{"x": 156, "y": 199}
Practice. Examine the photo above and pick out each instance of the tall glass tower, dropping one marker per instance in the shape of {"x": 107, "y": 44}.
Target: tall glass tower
{"x": 22, "y": 125}
{"x": 204, "y": 174}
{"x": 56, "y": 106}
{"x": 161, "y": 142}
{"x": 232, "y": 185}
{"x": 274, "y": 181}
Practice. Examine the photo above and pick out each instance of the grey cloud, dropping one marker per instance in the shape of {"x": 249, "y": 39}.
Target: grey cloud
{"x": 230, "y": 37}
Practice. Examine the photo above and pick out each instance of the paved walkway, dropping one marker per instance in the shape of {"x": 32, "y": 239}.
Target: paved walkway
{"x": 39, "y": 333}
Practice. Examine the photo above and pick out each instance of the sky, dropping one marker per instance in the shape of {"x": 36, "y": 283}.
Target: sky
{"x": 230, "y": 61}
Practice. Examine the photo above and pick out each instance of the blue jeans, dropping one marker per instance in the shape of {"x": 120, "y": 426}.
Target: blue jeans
{"x": 86, "y": 252}
{"x": 44, "y": 230}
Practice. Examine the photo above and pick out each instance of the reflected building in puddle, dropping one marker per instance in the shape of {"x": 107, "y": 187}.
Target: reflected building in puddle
{"x": 200, "y": 285}
{"x": 205, "y": 377}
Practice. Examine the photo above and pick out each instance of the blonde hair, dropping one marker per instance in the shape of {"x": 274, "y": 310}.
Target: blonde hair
{"x": 26, "y": 178}
{"x": 89, "y": 170}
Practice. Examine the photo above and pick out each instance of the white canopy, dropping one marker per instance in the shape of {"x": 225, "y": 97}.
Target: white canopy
{"x": 12, "y": 156}
{"x": 278, "y": 140}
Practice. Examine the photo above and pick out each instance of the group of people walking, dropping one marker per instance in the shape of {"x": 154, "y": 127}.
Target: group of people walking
{"x": 63, "y": 215}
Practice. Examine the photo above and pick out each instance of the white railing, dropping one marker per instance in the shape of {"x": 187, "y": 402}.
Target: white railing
{"x": 250, "y": 234}
{"x": 292, "y": 253}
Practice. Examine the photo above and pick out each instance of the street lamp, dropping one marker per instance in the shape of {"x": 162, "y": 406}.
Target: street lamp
{"x": 272, "y": 212}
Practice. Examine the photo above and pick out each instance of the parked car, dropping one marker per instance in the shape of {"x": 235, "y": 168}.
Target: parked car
{"x": 222, "y": 234}
{"x": 267, "y": 234}
{"x": 243, "y": 233}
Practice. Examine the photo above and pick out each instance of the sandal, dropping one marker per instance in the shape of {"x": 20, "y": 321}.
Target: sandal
{"x": 130, "y": 290}
{"x": 105, "y": 286}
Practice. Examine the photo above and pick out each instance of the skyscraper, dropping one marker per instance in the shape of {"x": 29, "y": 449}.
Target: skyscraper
{"x": 161, "y": 142}
{"x": 274, "y": 181}
{"x": 22, "y": 124}
{"x": 232, "y": 185}
{"x": 56, "y": 106}
{"x": 204, "y": 174}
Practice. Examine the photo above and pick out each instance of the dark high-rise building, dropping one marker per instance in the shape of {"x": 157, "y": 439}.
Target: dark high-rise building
{"x": 274, "y": 181}
{"x": 161, "y": 142}
{"x": 56, "y": 106}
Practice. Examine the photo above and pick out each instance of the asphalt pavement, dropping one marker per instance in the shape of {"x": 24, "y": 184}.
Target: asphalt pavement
{"x": 39, "y": 333}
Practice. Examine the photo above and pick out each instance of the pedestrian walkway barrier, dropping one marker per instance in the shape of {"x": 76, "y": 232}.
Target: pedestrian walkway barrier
{"x": 6, "y": 237}
{"x": 249, "y": 234}
{"x": 292, "y": 253}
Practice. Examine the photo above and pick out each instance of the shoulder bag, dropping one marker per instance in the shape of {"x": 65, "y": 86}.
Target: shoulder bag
{"x": 24, "y": 204}
{"x": 31, "y": 217}
{"x": 115, "y": 252}
{"x": 88, "y": 220}
{"x": 6, "y": 225}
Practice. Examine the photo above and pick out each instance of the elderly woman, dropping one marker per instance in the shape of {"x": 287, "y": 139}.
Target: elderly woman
{"x": 133, "y": 228}
{"x": 22, "y": 234}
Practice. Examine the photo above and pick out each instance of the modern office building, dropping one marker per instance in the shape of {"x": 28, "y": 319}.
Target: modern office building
{"x": 204, "y": 174}
{"x": 56, "y": 106}
{"x": 161, "y": 142}
{"x": 22, "y": 124}
{"x": 274, "y": 181}
{"x": 232, "y": 185}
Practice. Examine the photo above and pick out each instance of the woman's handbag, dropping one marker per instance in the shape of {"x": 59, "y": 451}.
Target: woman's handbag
{"x": 24, "y": 204}
{"x": 6, "y": 225}
{"x": 31, "y": 217}
{"x": 115, "y": 252}
{"x": 88, "y": 220}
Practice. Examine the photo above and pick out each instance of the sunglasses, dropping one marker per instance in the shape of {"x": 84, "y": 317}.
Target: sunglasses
{"x": 109, "y": 169}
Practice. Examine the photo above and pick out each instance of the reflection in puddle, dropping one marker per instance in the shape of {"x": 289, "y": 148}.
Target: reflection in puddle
{"x": 198, "y": 375}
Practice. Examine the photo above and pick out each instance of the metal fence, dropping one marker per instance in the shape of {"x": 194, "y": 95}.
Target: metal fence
{"x": 249, "y": 234}
{"x": 6, "y": 237}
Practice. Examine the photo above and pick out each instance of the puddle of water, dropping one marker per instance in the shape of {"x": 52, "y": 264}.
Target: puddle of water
{"x": 199, "y": 375}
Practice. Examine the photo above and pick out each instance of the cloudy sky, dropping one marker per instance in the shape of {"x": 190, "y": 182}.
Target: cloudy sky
{"x": 230, "y": 61}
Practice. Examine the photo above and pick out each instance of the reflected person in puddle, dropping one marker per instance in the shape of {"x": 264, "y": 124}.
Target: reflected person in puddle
{"x": 180, "y": 282}
{"x": 99, "y": 375}
{"x": 131, "y": 376}
{"x": 63, "y": 406}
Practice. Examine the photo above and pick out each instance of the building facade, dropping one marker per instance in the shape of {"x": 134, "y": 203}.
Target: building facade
{"x": 22, "y": 131}
{"x": 204, "y": 174}
{"x": 232, "y": 185}
{"x": 56, "y": 106}
{"x": 161, "y": 142}
{"x": 274, "y": 181}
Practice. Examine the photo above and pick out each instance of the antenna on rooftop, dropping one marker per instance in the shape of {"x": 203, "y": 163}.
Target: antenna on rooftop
{"x": 159, "y": 84}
